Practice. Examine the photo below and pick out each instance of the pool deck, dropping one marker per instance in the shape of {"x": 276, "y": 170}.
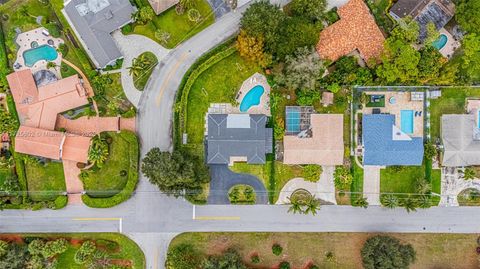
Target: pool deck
{"x": 24, "y": 41}
{"x": 473, "y": 108}
{"x": 248, "y": 84}
{"x": 451, "y": 45}
{"x": 403, "y": 102}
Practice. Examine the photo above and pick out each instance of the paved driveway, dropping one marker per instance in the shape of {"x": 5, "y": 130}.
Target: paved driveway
{"x": 222, "y": 179}
{"x": 371, "y": 184}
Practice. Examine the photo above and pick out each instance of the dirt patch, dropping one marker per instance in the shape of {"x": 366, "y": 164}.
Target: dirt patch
{"x": 15, "y": 238}
{"x": 123, "y": 263}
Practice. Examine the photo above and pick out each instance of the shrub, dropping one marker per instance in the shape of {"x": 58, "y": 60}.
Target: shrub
{"x": 53, "y": 29}
{"x": 430, "y": 150}
{"x": 312, "y": 172}
{"x": 284, "y": 265}
{"x": 60, "y": 202}
{"x": 314, "y": 267}
{"x": 85, "y": 252}
{"x": 182, "y": 256}
{"x": 63, "y": 49}
{"x": 255, "y": 259}
{"x": 111, "y": 246}
{"x": 127, "y": 29}
{"x": 381, "y": 252}
{"x": 343, "y": 178}
{"x": 277, "y": 249}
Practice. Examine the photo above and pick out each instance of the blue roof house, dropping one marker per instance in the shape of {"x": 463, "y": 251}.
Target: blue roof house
{"x": 386, "y": 145}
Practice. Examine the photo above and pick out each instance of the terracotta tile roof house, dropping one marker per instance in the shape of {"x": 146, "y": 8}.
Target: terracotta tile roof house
{"x": 439, "y": 12}
{"x": 324, "y": 147}
{"x": 356, "y": 30}
{"x": 37, "y": 109}
{"x": 160, "y": 6}
{"x": 52, "y": 144}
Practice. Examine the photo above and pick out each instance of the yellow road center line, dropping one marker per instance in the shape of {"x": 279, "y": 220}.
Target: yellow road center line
{"x": 217, "y": 218}
{"x": 99, "y": 219}
{"x": 164, "y": 84}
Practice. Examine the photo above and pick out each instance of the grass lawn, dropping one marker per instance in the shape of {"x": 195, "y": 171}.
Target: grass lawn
{"x": 357, "y": 183}
{"x": 141, "y": 79}
{"x": 108, "y": 180}
{"x": 432, "y": 250}
{"x": 453, "y": 101}
{"x": 127, "y": 250}
{"x": 218, "y": 84}
{"x": 179, "y": 27}
{"x": 400, "y": 181}
{"x": 262, "y": 172}
{"x": 114, "y": 101}
{"x": 380, "y": 103}
{"x": 436, "y": 185}
{"x": 44, "y": 181}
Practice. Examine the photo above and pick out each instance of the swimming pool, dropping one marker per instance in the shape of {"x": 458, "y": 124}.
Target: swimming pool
{"x": 406, "y": 121}
{"x": 252, "y": 98}
{"x": 440, "y": 42}
{"x": 292, "y": 120}
{"x": 44, "y": 52}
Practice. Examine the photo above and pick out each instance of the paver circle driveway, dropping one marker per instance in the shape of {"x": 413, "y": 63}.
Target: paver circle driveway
{"x": 222, "y": 179}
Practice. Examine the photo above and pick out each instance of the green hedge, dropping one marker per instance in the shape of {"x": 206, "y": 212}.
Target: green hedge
{"x": 5, "y": 68}
{"x": 182, "y": 116}
{"x": 132, "y": 180}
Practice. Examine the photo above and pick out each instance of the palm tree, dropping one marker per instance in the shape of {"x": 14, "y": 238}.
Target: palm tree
{"x": 312, "y": 206}
{"x": 409, "y": 204}
{"x": 98, "y": 152}
{"x": 423, "y": 186}
{"x": 424, "y": 201}
{"x": 361, "y": 202}
{"x": 139, "y": 65}
{"x": 295, "y": 207}
{"x": 390, "y": 201}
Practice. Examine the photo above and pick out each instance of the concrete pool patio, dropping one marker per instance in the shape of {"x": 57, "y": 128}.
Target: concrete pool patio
{"x": 402, "y": 101}
{"x": 25, "y": 41}
{"x": 263, "y": 107}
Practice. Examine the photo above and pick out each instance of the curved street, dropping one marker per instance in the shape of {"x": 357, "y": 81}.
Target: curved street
{"x": 152, "y": 218}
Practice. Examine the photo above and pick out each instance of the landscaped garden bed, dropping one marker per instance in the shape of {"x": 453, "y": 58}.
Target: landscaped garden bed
{"x": 112, "y": 181}
{"x": 469, "y": 197}
{"x": 75, "y": 251}
{"x": 141, "y": 69}
{"x": 169, "y": 28}
{"x": 324, "y": 250}
{"x": 241, "y": 194}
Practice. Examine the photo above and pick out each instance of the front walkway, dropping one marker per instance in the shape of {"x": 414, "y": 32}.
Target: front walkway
{"x": 453, "y": 184}
{"x": 90, "y": 126}
{"x": 131, "y": 47}
{"x": 371, "y": 184}
{"x": 73, "y": 182}
{"x": 222, "y": 179}
{"x": 323, "y": 189}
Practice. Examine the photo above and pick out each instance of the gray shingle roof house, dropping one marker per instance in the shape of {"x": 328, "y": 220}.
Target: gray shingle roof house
{"x": 440, "y": 12}
{"x": 461, "y": 140}
{"x": 385, "y": 145}
{"x": 238, "y": 137}
{"x": 93, "y": 21}
{"x": 160, "y": 6}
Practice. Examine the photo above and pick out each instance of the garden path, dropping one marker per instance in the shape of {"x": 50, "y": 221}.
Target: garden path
{"x": 131, "y": 46}
{"x": 73, "y": 182}
{"x": 90, "y": 126}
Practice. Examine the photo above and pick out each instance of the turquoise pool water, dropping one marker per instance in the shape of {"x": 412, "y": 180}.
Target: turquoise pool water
{"x": 440, "y": 42}
{"x": 44, "y": 52}
{"x": 252, "y": 98}
{"x": 406, "y": 118}
{"x": 293, "y": 120}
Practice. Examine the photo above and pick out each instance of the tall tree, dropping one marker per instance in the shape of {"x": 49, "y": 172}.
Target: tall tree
{"x": 173, "y": 172}
{"x": 385, "y": 252}
{"x": 314, "y": 10}
{"x": 294, "y": 33}
{"x": 466, "y": 14}
{"x": 262, "y": 19}
{"x": 252, "y": 49}
{"x": 471, "y": 57}
{"x": 302, "y": 70}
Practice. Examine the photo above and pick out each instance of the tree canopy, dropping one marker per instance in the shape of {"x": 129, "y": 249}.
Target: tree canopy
{"x": 174, "y": 172}
{"x": 261, "y": 20}
{"x": 466, "y": 14}
{"x": 313, "y": 10}
{"x": 385, "y": 252}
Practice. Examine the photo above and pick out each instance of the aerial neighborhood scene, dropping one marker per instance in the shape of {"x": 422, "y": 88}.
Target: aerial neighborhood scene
{"x": 235, "y": 134}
